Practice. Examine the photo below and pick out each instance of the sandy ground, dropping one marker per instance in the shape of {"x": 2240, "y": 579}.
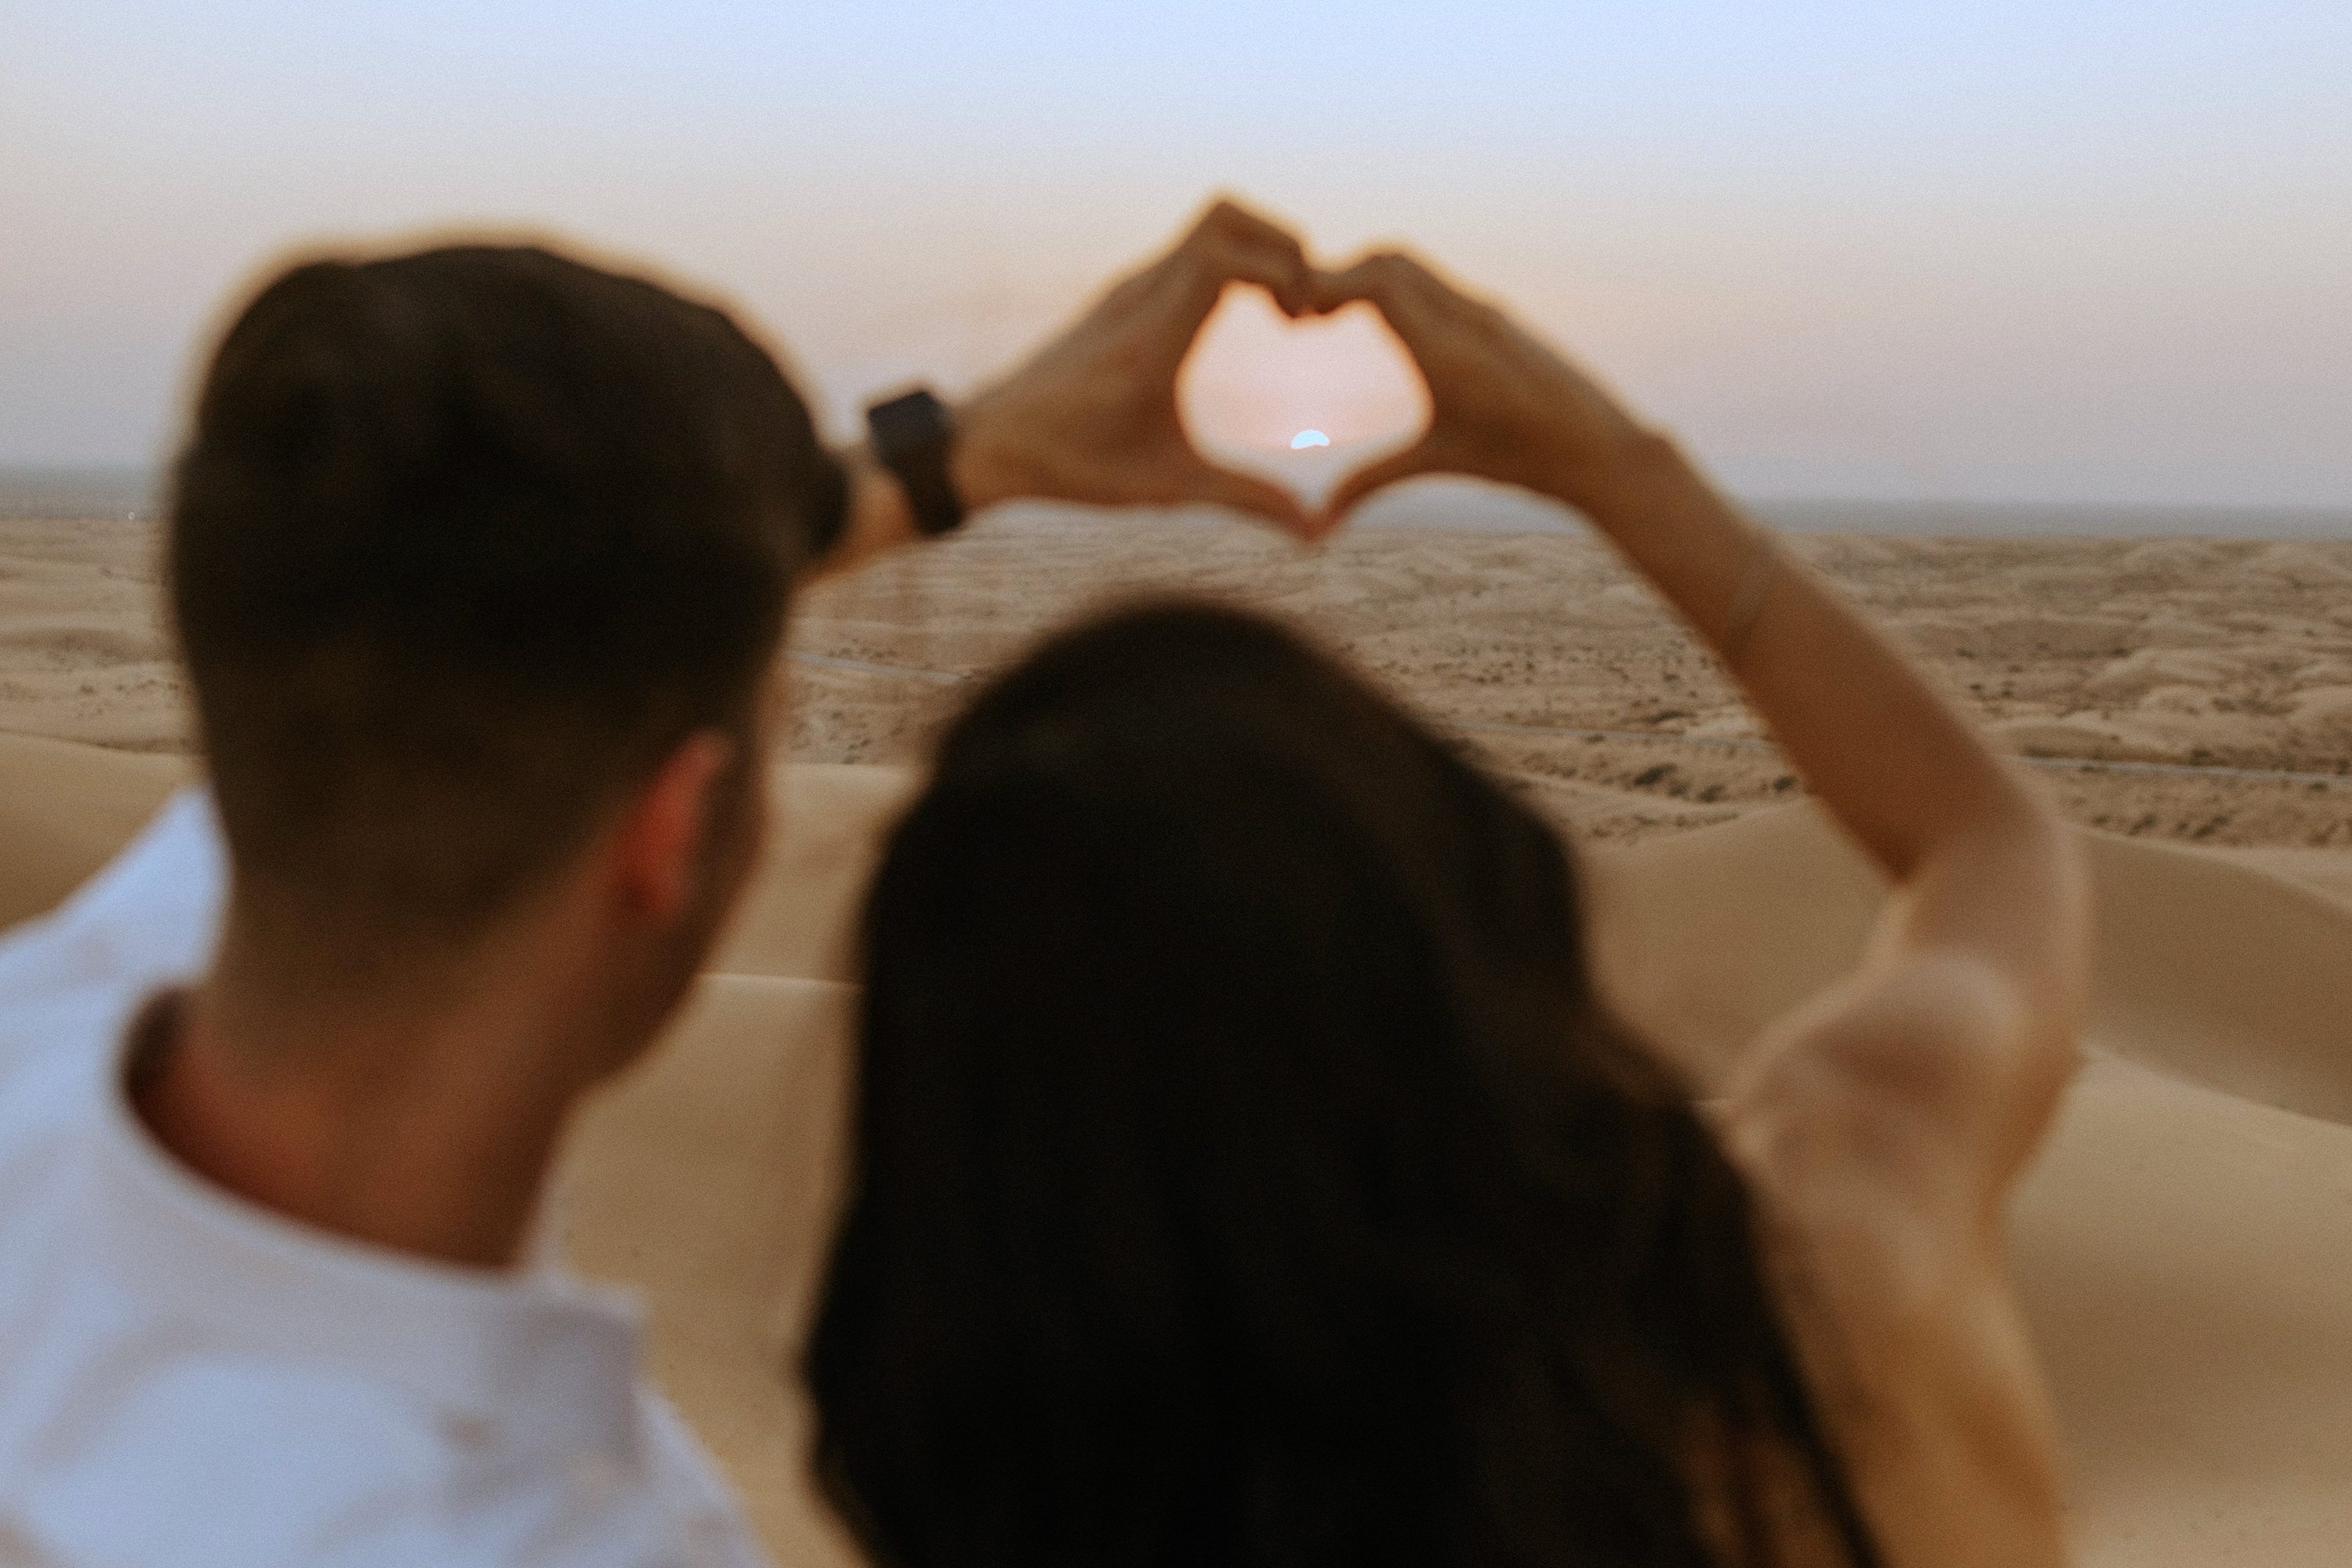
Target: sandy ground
{"x": 2181, "y": 1243}
{"x": 2138, "y": 657}
{"x": 2230, "y": 660}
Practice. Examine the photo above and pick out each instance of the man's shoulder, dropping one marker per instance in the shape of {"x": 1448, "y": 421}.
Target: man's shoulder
{"x": 135, "y": 1453}
{"x": 186, "y": 1382}
{"x": 146, "y": 1417}
{"x": 192, "y": 1457}
{"x": 53, "y": 1055}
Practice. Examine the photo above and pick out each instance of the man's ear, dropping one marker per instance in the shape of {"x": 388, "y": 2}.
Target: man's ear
{"x": 657, "y": 843}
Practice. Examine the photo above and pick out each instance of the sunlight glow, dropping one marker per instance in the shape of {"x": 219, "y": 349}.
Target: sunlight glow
{"x": 1255, "y": 378}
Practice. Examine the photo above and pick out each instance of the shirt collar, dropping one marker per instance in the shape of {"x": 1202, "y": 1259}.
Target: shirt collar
{"x": 528, "y": 1356}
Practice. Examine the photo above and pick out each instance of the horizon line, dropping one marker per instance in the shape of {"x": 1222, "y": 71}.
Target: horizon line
{"x": 135, "y": 484}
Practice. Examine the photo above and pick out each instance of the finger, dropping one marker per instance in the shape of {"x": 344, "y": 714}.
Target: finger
{"x": 1184, "y": 295}
{"x": 1420, "y": 457}
{"x": 1284, "y": 277}
{"x": 1402, "y": 287}
{"x": 1400, "y": 272}
{"x": 1233, "y": 243}
{"x": 1260, "y": 498}
{"x": 1385, "y": 280}
{"x": 1229, "y": 220}
{"x": 1174, "y": 268}
{"x": 1282, "y": 271}
{"x": 1372, "y": 278}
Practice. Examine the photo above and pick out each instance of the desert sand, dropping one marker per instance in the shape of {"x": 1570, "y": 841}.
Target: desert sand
{"x": 2180, "y": 689}
{"x": 2229, "y": 661}
{"x": 2185, "y": 1243}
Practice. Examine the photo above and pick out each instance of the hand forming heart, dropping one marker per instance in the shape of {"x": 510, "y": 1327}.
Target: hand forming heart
{"x": 1093, "y": 417}
{"x": 1503, "y": 404}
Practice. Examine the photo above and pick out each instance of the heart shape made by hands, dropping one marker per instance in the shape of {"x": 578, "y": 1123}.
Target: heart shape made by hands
{"x": 1258, "y": 389}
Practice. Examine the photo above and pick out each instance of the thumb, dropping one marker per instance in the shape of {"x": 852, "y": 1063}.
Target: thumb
{"x": 1260, "y": 498}
{"x": 1419, "y": 458}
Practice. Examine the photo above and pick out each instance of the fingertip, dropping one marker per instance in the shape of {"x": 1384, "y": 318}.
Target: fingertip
{"x": 1320, "y": 291}
{"x": 1334, "y": 289}
{"x": 1221, "y": 211}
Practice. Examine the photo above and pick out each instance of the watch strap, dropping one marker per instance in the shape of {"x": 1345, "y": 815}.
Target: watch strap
{"x": 913, "y": 436}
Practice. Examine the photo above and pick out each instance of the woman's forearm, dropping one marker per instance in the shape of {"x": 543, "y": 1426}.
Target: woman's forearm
{"x": 1884, "y": 751}
{"x": 1895, "y": 762}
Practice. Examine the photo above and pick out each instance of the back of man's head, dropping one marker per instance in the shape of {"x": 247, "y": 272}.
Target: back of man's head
{"x": 464, "y": 544}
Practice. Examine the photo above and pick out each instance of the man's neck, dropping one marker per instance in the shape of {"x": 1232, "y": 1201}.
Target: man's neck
{"x": 423, "y": 1122}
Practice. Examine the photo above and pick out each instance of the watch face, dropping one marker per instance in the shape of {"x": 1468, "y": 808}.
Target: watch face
{"x": 907, "y": 423}
{"x": 911, "y": 436}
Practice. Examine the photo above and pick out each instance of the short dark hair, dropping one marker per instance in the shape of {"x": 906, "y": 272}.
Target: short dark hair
{"x": 462, "y": 544}
{"x": 1247, "y": 1171}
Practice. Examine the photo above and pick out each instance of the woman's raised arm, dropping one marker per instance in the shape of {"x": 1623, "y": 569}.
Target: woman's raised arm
{"x": 1884, "y": 1124}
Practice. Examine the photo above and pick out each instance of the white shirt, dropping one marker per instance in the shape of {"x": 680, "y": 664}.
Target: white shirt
{"x": 187, "y": 1379}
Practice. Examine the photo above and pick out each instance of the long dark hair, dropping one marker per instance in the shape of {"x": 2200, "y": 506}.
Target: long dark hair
{"x": 1246, "y": 1174}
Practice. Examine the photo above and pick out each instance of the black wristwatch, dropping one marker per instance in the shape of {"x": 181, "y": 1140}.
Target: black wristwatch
{"x": 912, "y": 436}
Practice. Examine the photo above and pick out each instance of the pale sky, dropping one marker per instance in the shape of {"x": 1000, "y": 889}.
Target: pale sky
{"x": 1912, "y": 249}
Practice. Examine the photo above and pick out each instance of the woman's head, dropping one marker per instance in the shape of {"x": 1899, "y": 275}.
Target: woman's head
{"x": 1246, "y": 1171}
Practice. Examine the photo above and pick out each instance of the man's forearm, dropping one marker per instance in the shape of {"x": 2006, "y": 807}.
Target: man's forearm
{"x": 880, "y": 519}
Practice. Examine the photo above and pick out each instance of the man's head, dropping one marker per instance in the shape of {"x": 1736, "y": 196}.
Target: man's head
{"x": 473, "y": 554}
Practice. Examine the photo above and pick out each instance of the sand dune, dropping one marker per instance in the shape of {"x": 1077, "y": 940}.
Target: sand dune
{"x": 2327, "y": 872}
{"x": 1544, "y": 653}
{"x": 1537, "y": 647}
{"x": 2185, "y": 1243}
{"x": 2212, "y": 968}
{"x": 64, "y": 809}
